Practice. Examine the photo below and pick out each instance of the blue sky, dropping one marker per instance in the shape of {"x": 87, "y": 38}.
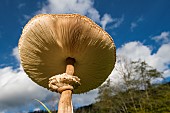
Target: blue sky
{"x": 140, "y": 29}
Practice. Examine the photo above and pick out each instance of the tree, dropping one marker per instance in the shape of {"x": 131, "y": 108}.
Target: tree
{"x": 146, "y": 74}
{"x": 132, "y": 93}
{"x": 104, "y": 99}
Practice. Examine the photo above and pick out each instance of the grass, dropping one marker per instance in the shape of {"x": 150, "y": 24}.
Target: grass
{"x": 43, "y": 105}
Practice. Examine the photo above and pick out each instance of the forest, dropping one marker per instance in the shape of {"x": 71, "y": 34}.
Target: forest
{"x": 135, "y": 93}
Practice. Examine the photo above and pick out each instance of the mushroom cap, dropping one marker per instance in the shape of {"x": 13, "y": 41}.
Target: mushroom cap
{"x": 49, "y": 39}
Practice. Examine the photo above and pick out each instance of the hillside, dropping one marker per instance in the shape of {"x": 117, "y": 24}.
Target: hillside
{"x": 158, "y": 102}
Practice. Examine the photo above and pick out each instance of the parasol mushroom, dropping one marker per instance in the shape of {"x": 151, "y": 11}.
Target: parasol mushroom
{"x": 57, "y": 51}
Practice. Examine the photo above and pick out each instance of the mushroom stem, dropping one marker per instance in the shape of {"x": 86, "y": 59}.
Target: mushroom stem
{"x": 65, "y": 102}
{"x": 70, "y": 66}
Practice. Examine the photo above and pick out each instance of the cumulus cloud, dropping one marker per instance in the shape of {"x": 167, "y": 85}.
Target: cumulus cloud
{"x": 17, "y": 90}
{"x": 85, "y": 99}
{"x": 84, "y": 7}
{"x": 136, "y": 50}
{"x": 163, "y": 37}
{"x": 161, "y": 60}
{"x": 167, "y": 73}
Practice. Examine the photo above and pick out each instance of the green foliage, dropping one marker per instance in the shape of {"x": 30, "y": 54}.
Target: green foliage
{"x": 159, "y": 102}
{"x": 135, "y": 94}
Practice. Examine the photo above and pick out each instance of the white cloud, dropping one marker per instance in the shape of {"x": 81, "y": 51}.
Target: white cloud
{"x": 136, "y": 50}
{"x": 117, "y": 22}
{"x": 18, "y": 91}
{"x": 84, "y": 7}
{"x": 106, "y": 19}
{"x": 114, "y": 23}
{"x": 167, "y": 73}
{"x": 3, "y": 111}
{"x": 85, "y": 99}
{"x": 23, "y": 89}
{"x": 37, "y": 109}
{"x": 114, "y": 77}
{"x": 16, "y": 54}
{"x": 161, "y": 59}
{"x": 134, "y": 24}
{"x": 163, "y": 37}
